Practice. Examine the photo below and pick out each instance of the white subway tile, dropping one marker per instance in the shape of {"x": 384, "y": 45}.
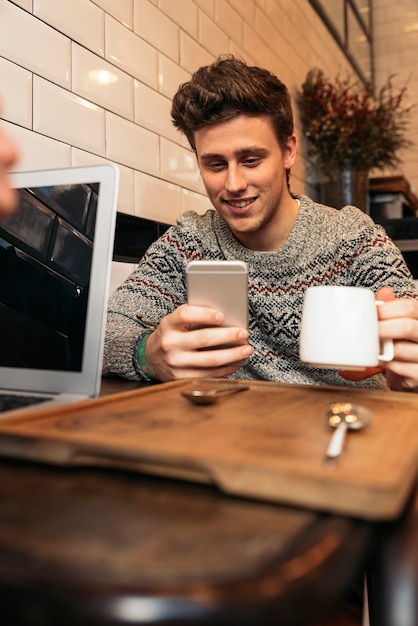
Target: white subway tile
{"x": 170, "y": 76}
{"x": 255, "y": 43}
{"x": 81, "y": 158}
{"x": 211, "y": 36}
{"x": 246, "y": 9}
{"x": 265, "y": 27}
{"x": 16, "y": 102}
{"x": 191, "y": 201}
{"x": 126, "y": 199}
{"x": 179, "y": 166}
{"x": 131, "y": 145}
{"x": 156, "y": 28}
{"x": 192, "y": 54}
{"x": 156, "y": 199}
{"x": 239, "y": 52}
{"x": 119, "y": 273}
{"x": 229, "y": 20}
{"x": 36, "y": 151}
{"x": 122, "y": 10}
{"x": 208, "y": 6}
{"x": 408, "y": 60}
{"x": 34, "y": 45}
{"x": 152, "y": 110}
{"x": 25, "y": 4}
{"x": 126, "y": 178}
{"x": 81, "y": 20}
{"x": 183, "y": 12}
{"x": 65, "y": 116}
{"x": 131, "y": 53}
{"x": 283, "y": 21}
{"x": 102, "y": 83}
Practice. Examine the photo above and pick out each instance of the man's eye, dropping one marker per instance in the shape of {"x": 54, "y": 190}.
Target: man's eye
{"x": 215, "y": 166}
{"x": 252, "y": 161}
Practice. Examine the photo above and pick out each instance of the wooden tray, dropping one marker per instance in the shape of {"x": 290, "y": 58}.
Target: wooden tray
{"x": 265, "y": 443}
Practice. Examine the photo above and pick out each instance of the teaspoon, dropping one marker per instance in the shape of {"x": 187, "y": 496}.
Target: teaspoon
{"x": 209, "y": 396}
{"x": 344, "y": 416}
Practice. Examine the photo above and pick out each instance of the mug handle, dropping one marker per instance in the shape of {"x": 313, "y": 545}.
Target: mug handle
{"x": 387, "y": 349}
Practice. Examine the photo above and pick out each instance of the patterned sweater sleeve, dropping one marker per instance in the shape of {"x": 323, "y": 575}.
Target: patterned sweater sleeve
{"x": 368, "y": 256}
{"x": 152, "y": 291}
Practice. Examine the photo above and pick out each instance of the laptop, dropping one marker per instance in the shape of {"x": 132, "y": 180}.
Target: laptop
{"x": 55, "y": 261}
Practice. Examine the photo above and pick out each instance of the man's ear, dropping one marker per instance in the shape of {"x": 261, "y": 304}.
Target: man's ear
{"x": 289, "y": 152}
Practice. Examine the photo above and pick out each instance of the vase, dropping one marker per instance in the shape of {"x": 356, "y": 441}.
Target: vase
{"x": 344, "y": 186}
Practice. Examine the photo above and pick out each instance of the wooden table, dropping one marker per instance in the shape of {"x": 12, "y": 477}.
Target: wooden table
{"x": 393, "y": 570}
{"x": 90, "y": 547}
{"x": 82, "y": 546}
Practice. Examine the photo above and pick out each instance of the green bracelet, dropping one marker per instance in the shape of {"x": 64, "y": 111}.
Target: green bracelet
{"x": 142, "y": 360}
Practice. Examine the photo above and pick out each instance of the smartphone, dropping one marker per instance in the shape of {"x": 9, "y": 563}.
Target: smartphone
{"x": 221, "y": 285}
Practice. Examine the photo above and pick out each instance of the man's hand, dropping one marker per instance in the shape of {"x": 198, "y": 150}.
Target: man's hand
{"x": 174, "y": 351}
{"x": 398, "y": 320}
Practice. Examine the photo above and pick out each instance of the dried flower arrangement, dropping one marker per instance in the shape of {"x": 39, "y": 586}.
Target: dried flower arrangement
{"x": 346, "y": 126}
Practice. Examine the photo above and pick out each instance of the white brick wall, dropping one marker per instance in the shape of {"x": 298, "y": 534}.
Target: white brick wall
{"x": 395, "y": 27}
{"x": 52, "y": 50}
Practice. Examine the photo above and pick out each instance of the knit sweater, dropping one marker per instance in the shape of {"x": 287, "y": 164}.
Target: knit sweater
{"x": 325, "y": 247}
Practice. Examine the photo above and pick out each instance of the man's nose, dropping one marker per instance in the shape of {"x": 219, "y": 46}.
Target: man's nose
{"x": 235, "y": 179}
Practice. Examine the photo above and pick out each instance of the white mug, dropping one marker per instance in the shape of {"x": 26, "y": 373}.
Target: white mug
{"x": 339, "y": 329}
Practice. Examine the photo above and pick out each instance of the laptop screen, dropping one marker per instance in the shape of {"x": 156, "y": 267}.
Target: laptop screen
{"x": 55, "y": 259}
{"x": 46, "y": 252}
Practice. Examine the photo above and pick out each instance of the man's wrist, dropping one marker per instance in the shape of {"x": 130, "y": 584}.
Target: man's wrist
{"x": 143, "y": 367}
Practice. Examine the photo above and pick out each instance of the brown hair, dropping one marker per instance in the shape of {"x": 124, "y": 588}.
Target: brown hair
{"x": 226, "y": 89}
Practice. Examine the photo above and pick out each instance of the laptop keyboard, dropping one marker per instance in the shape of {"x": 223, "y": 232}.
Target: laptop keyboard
{"x": 12, "y": 401}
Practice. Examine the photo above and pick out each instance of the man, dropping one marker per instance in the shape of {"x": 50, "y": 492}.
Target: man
{"x": 238, "y": 120}
{"x": 8, "y": 157}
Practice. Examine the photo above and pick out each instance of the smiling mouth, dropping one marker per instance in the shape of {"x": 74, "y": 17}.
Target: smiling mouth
{"x": 239, "y": 204}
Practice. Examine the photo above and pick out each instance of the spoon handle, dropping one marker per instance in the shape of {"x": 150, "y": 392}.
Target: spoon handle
{"x": 221, "y": 391}
{"x": 335, "y": 446}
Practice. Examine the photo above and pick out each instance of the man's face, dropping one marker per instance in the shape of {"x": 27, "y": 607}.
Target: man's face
{"x": 8, "y": 156}
{"x": 243, "y": 169}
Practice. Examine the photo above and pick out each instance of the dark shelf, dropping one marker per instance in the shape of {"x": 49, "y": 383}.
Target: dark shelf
{"x": 134, "y": 235}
